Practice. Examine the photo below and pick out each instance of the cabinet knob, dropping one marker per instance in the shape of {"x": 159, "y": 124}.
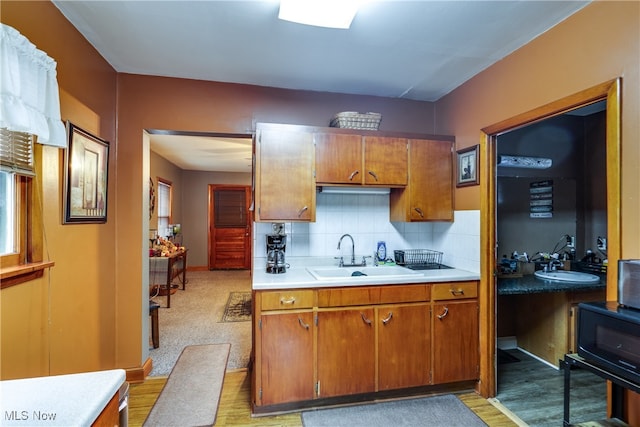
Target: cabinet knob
{"x": 373, "y": 174}
{"x": 456, "y": 292}
{"x": 365, "y": 320}
{"x": 301, "y": 211}
{"x": 287, "y": 301}
{"x": 388, "y": 318}
{"x": 304, "y": 325}
{"x": 419, "y": 212}
{"x": 444, "y": 313}
{"x": 353, "y": 174}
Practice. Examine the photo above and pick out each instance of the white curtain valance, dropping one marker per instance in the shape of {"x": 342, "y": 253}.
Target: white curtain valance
{"x": 29, "y": 97}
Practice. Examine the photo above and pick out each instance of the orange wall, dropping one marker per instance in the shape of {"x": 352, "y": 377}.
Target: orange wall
{"x": 192, "y": 105}
{"x": 599, "y": 43}
{"x": 65, "y": 322}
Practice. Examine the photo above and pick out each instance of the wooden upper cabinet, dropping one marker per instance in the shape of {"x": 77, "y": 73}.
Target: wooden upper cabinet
{"x": 385, "y": 161}
{"x": 429, "y": 195}
{"x": 353, "y": 159}
{"x": 338, "y": 158}
{"x": 285, "y": 187}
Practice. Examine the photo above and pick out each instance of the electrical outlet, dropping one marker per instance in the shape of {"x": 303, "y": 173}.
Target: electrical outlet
{"x": 601, "y": 243}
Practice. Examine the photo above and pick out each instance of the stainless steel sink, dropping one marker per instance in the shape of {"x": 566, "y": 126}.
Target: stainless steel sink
{"x": 360, "y": 273}
{"x": 567, "y": 276}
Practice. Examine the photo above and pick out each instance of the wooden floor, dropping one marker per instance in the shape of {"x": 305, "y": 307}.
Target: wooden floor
{"x": 234, "y": 407}
{"x": 534, "y": 392}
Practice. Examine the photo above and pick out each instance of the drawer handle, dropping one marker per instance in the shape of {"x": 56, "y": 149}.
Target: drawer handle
{"x": 287, "y": 301}
{"x": 388, "y": 318}
{"x": 365, "y": 320}
{"x": 353, "y": 174}
{"x": 373, "y": 174}
{"x": 301, "y": 211}
{"x": 304, "y": 325}
{"x": 457, "y": 292}
{"x": 419, "y": 212}
{"x": 444, "y": 314}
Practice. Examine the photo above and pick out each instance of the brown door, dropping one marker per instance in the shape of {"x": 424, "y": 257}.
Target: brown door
{"x": 287, "y": 357}
{"x": 403, "y": 346}
{"x": 346, "y": 352}
{"x": 229, "y": 227}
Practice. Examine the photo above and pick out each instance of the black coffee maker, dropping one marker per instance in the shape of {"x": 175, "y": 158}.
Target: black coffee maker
{"x": 276, "y": 245}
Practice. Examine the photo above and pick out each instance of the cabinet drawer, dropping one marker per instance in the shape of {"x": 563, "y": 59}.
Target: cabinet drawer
{"x": 454, "y": 290}
{"x": 368, "y": 295}
{"x": 286, "y": 300}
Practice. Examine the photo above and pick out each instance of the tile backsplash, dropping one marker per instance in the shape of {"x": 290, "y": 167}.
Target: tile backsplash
{"x": 366, "y": 218}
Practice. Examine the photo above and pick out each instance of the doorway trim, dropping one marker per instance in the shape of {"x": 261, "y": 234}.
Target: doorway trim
{"x": 609, "y": 91}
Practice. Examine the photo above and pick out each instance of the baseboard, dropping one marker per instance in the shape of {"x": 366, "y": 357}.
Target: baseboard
{"x": 539, "y": 359}
{"x": 198, "y": 268}
{"x": 513, "y": 417}
{"x": 138, "y": 375}
{"x": 507, "y": 343}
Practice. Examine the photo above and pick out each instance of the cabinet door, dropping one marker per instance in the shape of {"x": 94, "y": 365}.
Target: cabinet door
{"x": 287, "y": 357}
{"x": 338, "y": 158}
{"x": 431, "y": 180}
{"x": 385, "y": 161}
{"x": 403, "y": 346}
{"x": 346, "y": 352}
{"x": 285, "y": 186}
{"x": 455, "y": 341}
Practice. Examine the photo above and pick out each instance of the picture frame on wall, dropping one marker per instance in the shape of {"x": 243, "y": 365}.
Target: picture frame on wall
{"x": 86, "y": 177}
{"x": 467, "y": 167}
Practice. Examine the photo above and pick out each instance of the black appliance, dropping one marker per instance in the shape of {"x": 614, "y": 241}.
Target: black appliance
{"x": 609, "y": 337}
{"x": 276, "y": 245}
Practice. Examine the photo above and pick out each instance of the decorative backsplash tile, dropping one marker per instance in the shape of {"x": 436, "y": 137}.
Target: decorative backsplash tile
{"x": 366, "y": 218}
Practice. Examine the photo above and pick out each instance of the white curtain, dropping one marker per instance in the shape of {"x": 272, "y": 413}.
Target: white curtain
{"x": 29, "y": 97}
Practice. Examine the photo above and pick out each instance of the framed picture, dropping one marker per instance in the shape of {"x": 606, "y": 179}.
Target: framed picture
{"x": 467, "y": 170}
{"x": 86, "y": 167}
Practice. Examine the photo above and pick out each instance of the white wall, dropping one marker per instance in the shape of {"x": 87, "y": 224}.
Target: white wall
{"x": 366, "y": 218}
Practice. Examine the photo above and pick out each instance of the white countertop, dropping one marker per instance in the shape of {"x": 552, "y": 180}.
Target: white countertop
{"x": 60, "y": 400}
{"x": 298, "y": 276}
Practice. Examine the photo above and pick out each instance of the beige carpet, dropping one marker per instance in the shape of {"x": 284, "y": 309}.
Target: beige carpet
{"x": 192, "y": 393}
{"x": 195, "y": 318}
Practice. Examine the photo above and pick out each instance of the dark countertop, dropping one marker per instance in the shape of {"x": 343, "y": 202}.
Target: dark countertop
{"x": 530, "y": 284}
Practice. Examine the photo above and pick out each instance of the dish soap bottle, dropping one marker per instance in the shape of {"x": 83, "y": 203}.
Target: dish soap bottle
{"x": 381, "y": 252}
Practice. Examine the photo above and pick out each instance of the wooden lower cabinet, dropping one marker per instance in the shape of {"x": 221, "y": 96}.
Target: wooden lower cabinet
{"x": 287, "y": 357}
{"x": 455, "y": 330}
{"x": 346, "y": 352}
{"x": 331, "y": 343}
{"x": 403, "y": 346}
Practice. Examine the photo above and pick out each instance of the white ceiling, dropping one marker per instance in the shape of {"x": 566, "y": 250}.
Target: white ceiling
{"x": 418, "y": 50}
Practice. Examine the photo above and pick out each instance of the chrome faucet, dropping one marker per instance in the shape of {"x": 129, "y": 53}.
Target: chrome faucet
{"x": 353, "y": 248}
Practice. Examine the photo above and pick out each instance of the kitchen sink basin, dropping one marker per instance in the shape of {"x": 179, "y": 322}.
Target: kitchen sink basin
{"x": 567, "y": 276}
{"x": 360, "y": 273}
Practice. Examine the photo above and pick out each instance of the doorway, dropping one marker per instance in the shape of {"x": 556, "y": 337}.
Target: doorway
{"x": 229, "y": 227}
{"x": 609, "y": 92}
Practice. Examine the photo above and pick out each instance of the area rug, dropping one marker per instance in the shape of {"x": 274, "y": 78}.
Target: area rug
{"x": 445, "y": 410}
{"x": 238, "y": 308}
{"x": 191, "y": 394}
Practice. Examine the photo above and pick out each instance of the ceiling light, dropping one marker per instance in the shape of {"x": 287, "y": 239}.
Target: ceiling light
{"x": 321, "y": 13}
{"x": 524, "y": 162}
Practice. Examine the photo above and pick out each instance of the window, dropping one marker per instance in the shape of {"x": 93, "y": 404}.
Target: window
{"x": 16, "y": 170}
{"x": 164, "y": 207}
{"x": 20, "y": 232}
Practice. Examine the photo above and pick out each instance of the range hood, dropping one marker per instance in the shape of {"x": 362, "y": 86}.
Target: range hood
{"x": 354, "y": 190}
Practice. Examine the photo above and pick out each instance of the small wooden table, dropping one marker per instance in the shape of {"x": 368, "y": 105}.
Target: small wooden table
{"x": 166, "y": 268}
